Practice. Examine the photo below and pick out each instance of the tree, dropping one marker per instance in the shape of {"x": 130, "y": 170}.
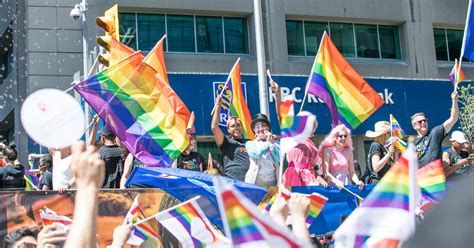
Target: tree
{"x": 466, "y": 110}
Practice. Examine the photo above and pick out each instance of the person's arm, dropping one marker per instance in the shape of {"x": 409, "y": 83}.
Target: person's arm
{"x": 216, "y": 130}
{"x": 299, "y": 206}
{"x": 256, "y": 149}
{"x": 276, "y": 89}
{"x": 89, "y": 171}
{"x": 127, "y": 167}
{"x": 378, "y": 163}
{"x": 449, "y": 170}
{"x": 453, "y": 118}
{"x": 95, "y": 127}
{"x": 331, "y": 178}
{"x": 352, "y": 173}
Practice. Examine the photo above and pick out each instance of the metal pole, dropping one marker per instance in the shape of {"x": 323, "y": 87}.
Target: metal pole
{"x": 85, "y": 56}
{"x": 262, "y": 84}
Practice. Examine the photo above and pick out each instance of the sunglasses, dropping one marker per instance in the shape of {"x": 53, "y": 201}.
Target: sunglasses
{"x": 422, "y": 121}
{"x": 27, "y": 245}
{"x": 342, "y": 136}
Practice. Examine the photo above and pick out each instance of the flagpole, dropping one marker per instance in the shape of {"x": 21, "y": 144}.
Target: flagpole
{"x": 354, "y": 194}
{"x": 169, "y": 209}
{"x": 306, "y": 90}
{"x": 468, "y": 16}
{"x": 225, "y": 86}
{"x": 161, "y": 40}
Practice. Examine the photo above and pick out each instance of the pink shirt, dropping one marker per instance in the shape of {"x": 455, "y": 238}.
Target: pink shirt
{"x": 304, "y": 153}
{"x": 339, "y": 163}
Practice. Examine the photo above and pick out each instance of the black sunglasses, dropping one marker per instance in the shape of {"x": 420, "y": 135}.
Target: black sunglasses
{"x": 421, "y": 121}
{"x": 342, "y": 135}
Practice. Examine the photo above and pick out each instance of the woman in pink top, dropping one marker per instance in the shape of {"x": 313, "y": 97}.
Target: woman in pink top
{"x": 301, "y": 162}
{"x": 337, "y": 158}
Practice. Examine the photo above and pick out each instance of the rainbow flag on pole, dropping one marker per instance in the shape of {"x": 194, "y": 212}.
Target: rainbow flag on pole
{"x": 398, "y": 143}
{"x": 387, "y": 215}
{"x": 238, "y": 105}
{"x": 396, "y": 129}
{"x": 118, "y": 51}
{"x": 349, "y": 97}
{"x": 133, "y": 103}
{"x": 156, "y": 59}
{"x": 431, "y": 180}
{"x": 294, "y": 129}
{"x": 245, "y": 225}
{"x": 454, "y": 76}
{"x": 188, "y": 223}
{"x": 317, "y": 203}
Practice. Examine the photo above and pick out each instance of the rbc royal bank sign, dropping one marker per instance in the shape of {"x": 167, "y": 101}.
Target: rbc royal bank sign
{"x": 402, "y": 98}
{"x": 217, "y": 88}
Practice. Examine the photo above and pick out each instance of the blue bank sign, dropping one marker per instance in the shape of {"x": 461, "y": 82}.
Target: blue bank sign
{"x": 402, "y": 99}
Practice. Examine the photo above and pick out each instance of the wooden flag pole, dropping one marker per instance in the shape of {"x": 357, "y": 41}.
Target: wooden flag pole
{"x": 354, "y": 194}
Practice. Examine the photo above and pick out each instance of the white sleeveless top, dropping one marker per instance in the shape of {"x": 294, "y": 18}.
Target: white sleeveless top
{"x": 61, "y": 172}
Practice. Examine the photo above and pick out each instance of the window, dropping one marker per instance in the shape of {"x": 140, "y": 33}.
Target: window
{"x": 448, "y": 43}
{"x": 352, "y": 40}
{"x": 185, "y": 33}
{"x": 6, "y": 54}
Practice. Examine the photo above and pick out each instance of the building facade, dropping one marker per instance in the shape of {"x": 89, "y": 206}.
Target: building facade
{"x": 405, "y": 49}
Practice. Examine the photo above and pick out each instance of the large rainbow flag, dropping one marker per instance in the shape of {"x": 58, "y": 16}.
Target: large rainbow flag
{"x": 349, "y": 97}
{"x": 131, "y": 101}
{"x": 294, "y": 129}
{"x": 431, "y": 180}
{"x": 117, "y": 51}
{"x": 245, "y": 225}
{"x": 188, "y": 223}
{"x": 156, "y": 59}
{"x": 386, "y": 216}
{"x": 238, "y": 105}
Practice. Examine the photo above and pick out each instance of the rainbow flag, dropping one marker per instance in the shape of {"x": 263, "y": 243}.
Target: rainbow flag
{"x": 317, "y": 203}
{"x": 453, "y": 76}
{"x": 387, "y": 214}
{"x": 294, "y": 129}
{"x": 118, "y": 51}
{"x": 349, "y": 97}
{"x": 238, "y": 105}
{"x": 397, "y": 130}
{"x": 284, "y": 192}
{"x": 31, "y": 179}
{"x": 156, "y": 59}
{"x": 188, "y": 223}
{"x": 134, "y": 104}
{"x": 245, "y": 224}
{"x": 431, "y": 180}
{"x": 398, "y": 143}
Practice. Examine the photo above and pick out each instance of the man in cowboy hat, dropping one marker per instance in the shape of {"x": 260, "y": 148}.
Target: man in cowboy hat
{"x": 231, "y": 147}
{"x": 380, "y": 158}
{"x": 456, "y": 161}
{"x": 428, "y": 142}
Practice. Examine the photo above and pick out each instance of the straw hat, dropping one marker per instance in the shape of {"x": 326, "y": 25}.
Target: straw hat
{"x": 381, "y": 127}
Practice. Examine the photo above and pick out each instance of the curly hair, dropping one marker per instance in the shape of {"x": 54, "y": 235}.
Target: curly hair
{"x": 18, "y": 234}
{"x": 330, "y": 139}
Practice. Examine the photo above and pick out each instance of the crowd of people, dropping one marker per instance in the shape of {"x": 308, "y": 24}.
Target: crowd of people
{"x": 256, "y": 161}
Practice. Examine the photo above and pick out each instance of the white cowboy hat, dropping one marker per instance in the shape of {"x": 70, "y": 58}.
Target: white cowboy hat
{"x": 459, "y": 137}
{"x": 381, "y": 127}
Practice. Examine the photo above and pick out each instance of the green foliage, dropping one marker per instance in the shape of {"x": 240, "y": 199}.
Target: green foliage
{"x": 466, "y": 109}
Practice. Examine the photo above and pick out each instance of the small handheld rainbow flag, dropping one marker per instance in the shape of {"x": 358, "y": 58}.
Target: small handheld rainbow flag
{"x": 188, "y": 223}
{"x": 317, "y": 203}
{"x": 31, "y": 179}
{"x": 284, "y": 192}
{"x": 398, "y": 143}
{"x": 238, "y": 105}
{"x": 294, "y": 129}
{"x": 454, "y": 76}
{"x": 349, "y": 97}
{"x": 387, "y": 215}
{"x": 142, "y": 231}
{"x": 245, "y": 224}
{"x": 396, "y": 129}
{"x": 432, "y": 180}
